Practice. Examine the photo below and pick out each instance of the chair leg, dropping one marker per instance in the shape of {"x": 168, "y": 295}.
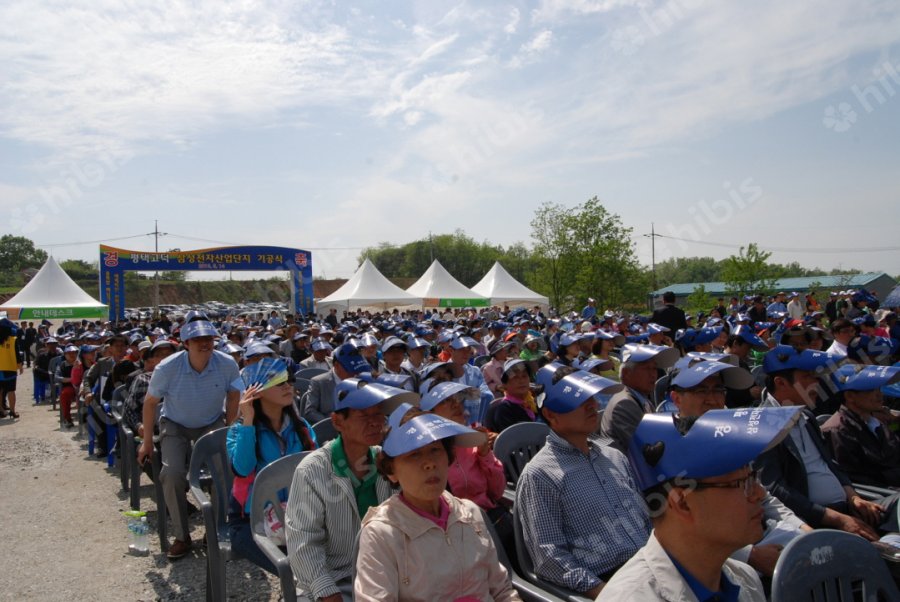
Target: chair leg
{"x": 161, "y": 511}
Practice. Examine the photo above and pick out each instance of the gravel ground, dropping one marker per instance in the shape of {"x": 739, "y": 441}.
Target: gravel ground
{"x": 64, "y": 537}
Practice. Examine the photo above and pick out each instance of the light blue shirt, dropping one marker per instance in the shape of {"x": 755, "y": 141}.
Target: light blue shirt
{"x": 194, "y": 399}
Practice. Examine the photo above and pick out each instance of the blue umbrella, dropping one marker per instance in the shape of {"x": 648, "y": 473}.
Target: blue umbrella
{"x": 893, "y": 298}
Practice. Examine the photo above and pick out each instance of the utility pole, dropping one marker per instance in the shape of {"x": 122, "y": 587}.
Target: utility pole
{"x": 156, "y": 277}
{"x": 652, "y": 236}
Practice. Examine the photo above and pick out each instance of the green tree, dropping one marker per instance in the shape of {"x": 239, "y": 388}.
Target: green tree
{"x": 680, "y": 270}
{"x": 553, "y": 253}
{"x": 18, "y": 253}
{"x": 699, "y": 300}
{"x": 78, "y": 269}
{"x": 749, "y": 271}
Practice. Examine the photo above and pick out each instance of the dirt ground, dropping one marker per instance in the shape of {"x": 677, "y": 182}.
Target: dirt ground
{"x": 63, "y": 534}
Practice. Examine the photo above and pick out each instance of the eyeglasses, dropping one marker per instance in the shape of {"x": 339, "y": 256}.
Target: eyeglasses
{"x": 749, "y": 483}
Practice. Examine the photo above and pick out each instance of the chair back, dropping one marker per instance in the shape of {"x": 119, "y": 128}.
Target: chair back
{"x": 308, "y": 373}
{"x": 324, "y": 431}
{"x": 301, "y": 386}
{"x": 209, "y": 458}
{"x": 831, "y": 566}
{"x": 659, "y": 391}
{"x": 822, "y": 418}
{"x": 759, "y": 376}
{"x": 268, "y": 482}
{"x": 526, "y": 565}
{"x": 518, "y": 444}
{"x": 481, "y": 360}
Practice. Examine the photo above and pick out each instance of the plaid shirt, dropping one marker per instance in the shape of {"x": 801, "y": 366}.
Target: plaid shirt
{"x": 582, "y": 515}
{"x": 133, "y": 413}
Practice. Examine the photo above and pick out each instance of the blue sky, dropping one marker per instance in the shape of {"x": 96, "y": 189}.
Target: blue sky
{"x": 322, "y": 125}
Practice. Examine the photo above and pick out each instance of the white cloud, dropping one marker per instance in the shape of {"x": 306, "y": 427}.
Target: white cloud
{"x": 514, "y": 17}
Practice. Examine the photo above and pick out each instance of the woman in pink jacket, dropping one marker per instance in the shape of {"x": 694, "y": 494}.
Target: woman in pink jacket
{"x": 424, "y": 543}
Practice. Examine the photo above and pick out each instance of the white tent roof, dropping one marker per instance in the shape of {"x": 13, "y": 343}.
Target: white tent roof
{"x": 368, "y": 288}
{"x": 501, "y": 288}
{"x": 437, "y": 283}
{"x": 52, "y": 294}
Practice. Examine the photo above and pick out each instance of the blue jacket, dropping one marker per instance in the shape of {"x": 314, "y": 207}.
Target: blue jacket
{"x": 241, "y": 446}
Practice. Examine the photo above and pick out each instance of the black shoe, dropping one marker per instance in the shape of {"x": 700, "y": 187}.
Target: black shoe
{"x": 100, "y": 453}
{"x": 70, "y": 424}
{"x": 2, "y": 414}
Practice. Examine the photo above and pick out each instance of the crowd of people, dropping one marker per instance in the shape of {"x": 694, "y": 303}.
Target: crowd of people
{"x": 683, "y": 453}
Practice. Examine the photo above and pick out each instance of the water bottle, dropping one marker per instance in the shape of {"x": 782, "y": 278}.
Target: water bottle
{"x": 140, "y": 541}
{"x": 139, "y": 529}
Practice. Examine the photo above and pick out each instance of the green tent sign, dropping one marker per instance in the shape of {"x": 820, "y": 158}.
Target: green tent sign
{"x": 458, "y": 302}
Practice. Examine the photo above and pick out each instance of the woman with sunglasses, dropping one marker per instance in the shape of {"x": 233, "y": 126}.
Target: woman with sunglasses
{"x": 423, "y": 543}
{"x": 267, "y": 428}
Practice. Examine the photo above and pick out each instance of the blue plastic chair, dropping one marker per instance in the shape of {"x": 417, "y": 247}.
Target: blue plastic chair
{"x": 268, "y": 482}
{"x": 308, "y": 373}
{"x": 831, "y": 566}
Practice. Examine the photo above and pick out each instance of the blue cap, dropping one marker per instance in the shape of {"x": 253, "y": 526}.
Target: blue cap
{"x": 445, "y": 337}
{"x": 232, "y": 348}
{"x": 617, "y": 339}
{"x": 696, "y": 372}
{"x": 654, "y": 328}
{"x": 320, "y": 345}
{"x": 569, "y": 338}
{"x": 198, "y": 328}
{"x": 785, "y": 357}
{"x": 747, "y": 335}
{"x": 425, "y": 430}
{"x": 463, "y": 343}
{"x": 876, "y": 349}
{"x": 70, "y": 349}
{"x": 429, "y": 368}
{"x": 512, "y": 363}
{"x": 417, "y": 343}
{"x": 719, "y": 442}
{"x": 850, "y": 377}
{"x": 544, "y": 376}
{"x": 401, "y": 381}
{"x": 692, "y": 357}
{"x": 392, "y": 342}
{"x": 589, "y": 364}
{"x": 442, "y": 391}
{"x": 397, "y": 415}
{"x": 574, "y": 389}
{"x": 707, "y": 335}
{"x": 257, "y": 348}
{"x": 87, "y": 349}
{"x": 665, "y": 357}
{"x": 347, "y": 355}
{"x": 195, "y": 315}
{"x": 357, "y": 394}
{"x": 368, "y": 339}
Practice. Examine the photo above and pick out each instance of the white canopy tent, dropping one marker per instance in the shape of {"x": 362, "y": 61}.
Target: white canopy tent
{"x": 52, "y": 294}
{"x": 368, "y": 289}
{"x": 438, "y": 288}
{"x": 501, "y": 288}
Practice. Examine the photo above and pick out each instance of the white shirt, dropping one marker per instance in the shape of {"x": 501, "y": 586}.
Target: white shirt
{"x": 837, "y": 350}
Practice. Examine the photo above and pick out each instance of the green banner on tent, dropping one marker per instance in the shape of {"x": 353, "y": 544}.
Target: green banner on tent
{"x": 461, "y": 303}
{"x": 61, "y": 313}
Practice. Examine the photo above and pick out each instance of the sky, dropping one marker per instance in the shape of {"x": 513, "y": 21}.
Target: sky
{"x": 332, "y": 126}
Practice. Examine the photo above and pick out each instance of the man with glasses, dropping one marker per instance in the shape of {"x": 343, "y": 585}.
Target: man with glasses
{"x": 199, "y": 386}
{"x": 705, "y": 502}
{"x": 700, "y": 388}
{"x": 801, "y": 471}
{"x": 335, "y": 486}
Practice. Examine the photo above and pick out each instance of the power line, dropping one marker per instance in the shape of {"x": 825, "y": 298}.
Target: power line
{"x": 785, "y": 249}
{"x": 91, "y": 242}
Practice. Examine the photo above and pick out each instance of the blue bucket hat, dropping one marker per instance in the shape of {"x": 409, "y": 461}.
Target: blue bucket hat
{"x": 347, "y": 355}
{"x": 665, "y": 357}
{"x": 852, "y": 378}
{"x": 746, "y": 334}
{"x": 574, "y": 389}
{"x": 442, "y": 391}
{"x": 718, "y": 442}
{"x": 198, "y": 328}
{"x": 256, "y": 348}
{"x": 357, "y": 394}
{"x": 268, "y": 372}
{"x": 697, "y": 371}
{"x": 426, "y": 429}
{"x": 785, "y": 357}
